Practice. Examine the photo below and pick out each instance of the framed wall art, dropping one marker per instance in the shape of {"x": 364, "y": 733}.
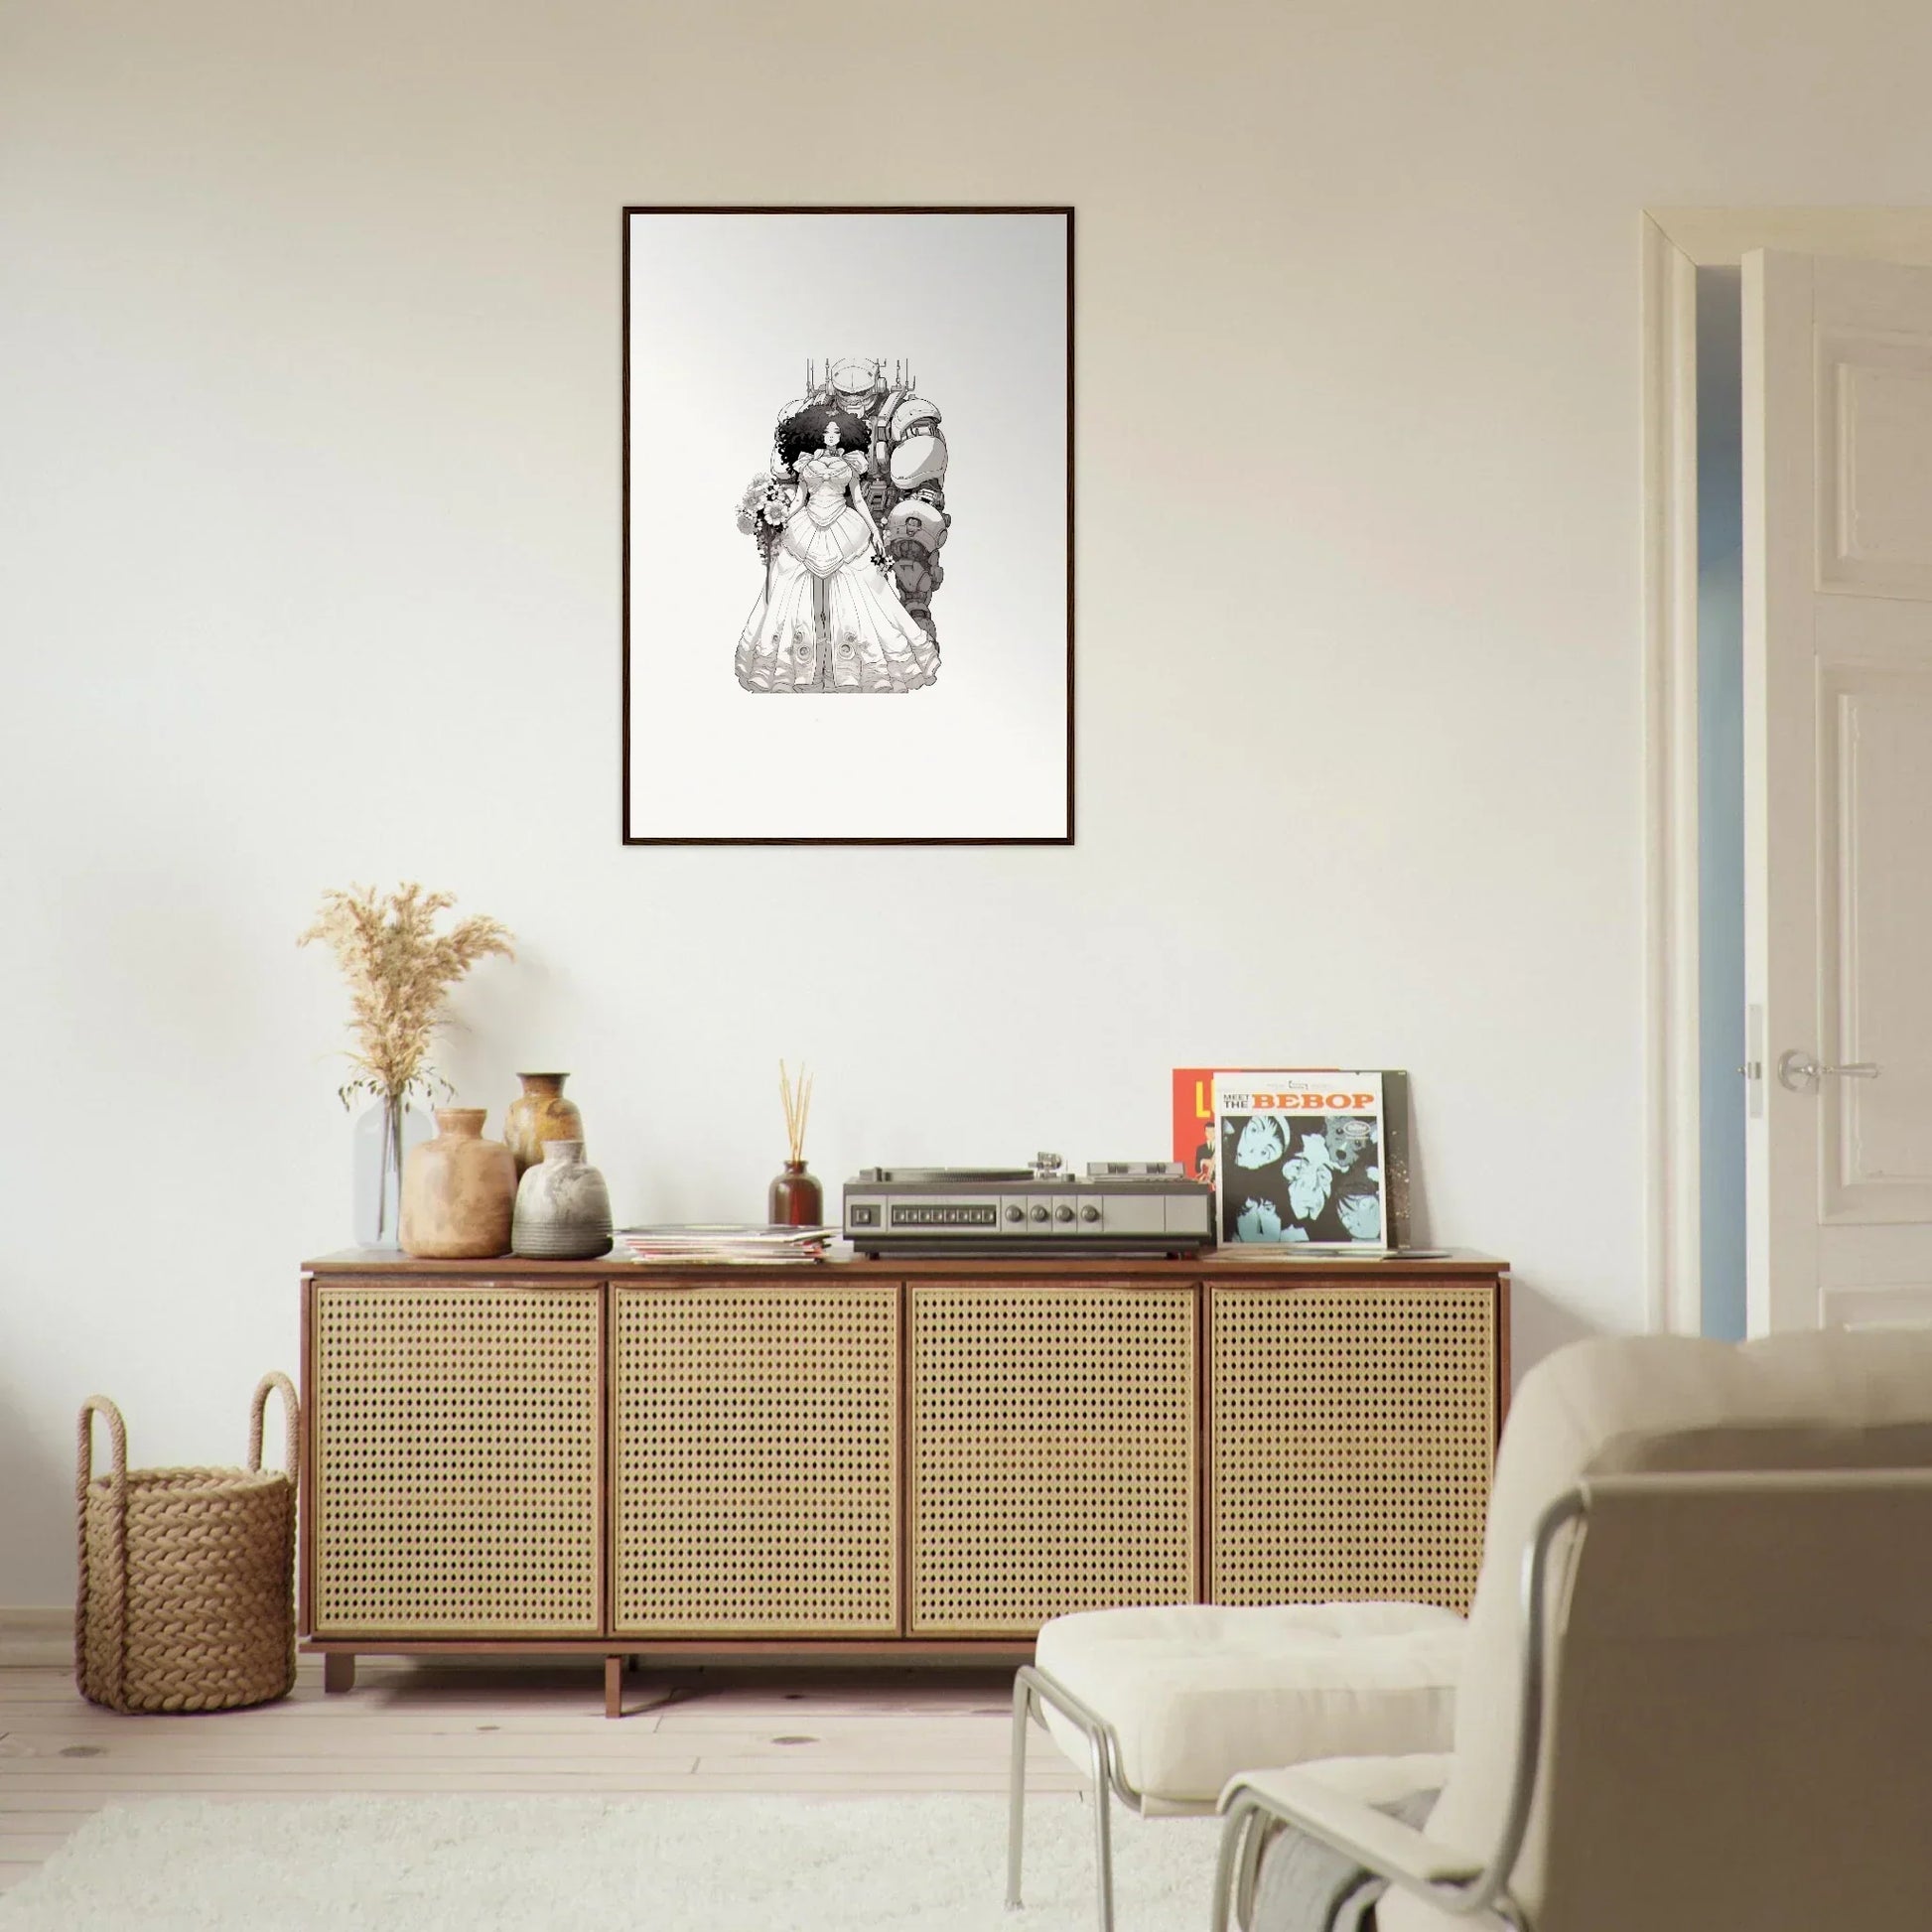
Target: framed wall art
{"x": 848, "y": 526}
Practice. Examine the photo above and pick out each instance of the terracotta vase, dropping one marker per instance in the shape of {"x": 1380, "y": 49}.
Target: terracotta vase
{"x": 538, "y": 1114}
{"x": 458, "y": 1192}
{"x": 563, "y": 1208}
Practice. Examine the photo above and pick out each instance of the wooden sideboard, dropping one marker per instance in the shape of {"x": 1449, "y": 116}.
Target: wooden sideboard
{"x": 892, "y": 1459}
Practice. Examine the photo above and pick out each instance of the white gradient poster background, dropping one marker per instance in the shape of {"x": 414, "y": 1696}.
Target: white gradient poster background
{"x": 725, "y": 309}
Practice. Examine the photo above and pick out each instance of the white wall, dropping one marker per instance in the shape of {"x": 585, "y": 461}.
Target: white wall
{"x": 308, "y": 573}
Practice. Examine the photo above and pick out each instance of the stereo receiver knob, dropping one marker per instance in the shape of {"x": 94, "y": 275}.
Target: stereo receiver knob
{"x": 1062, "y": 1214}
{"x": 1089, "y": 1212}
{"x": 1040, "y": 1214}
{"x": 1015, "y": 1212}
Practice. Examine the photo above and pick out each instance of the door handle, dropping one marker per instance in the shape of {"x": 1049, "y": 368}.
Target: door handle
{"x": 1800, "y": 1072}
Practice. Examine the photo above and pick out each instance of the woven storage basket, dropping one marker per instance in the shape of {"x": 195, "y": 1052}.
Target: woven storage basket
{"x": 187, "y": 1597}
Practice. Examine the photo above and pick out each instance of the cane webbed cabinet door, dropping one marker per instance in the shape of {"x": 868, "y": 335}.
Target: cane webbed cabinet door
{"x": 456, "y": 1483}
{"x": 1351, "y": 1437}
{"x": 754, "y": 1446}
{"x": 1053, "y": 1465}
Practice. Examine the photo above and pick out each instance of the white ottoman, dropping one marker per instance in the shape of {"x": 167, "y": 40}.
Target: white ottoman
{"x": 1165, "y": 1705}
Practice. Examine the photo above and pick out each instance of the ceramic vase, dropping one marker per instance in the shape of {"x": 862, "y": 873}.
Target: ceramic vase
{"x": 563, "y": 1208}
{"x": 796, "y": 1199}
{"x": 538, "y": 1114}
{"x": 458, "y": 1192}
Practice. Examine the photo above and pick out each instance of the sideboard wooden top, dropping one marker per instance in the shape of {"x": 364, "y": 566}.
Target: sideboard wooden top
{"x": 1213, "y": 1264}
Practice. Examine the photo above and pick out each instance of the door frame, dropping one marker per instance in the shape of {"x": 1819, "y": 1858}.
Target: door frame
{"x": 1675, "y": 244}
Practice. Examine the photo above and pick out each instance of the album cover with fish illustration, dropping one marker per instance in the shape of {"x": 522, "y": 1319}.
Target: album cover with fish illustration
{"x": 1312, "y": 1155}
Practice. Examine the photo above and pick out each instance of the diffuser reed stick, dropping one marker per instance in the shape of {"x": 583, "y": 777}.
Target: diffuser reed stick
{"x": 798, "y": 1100}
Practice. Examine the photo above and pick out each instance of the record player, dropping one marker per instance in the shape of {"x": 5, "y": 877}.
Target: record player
{"x": 1117, "y": 1207}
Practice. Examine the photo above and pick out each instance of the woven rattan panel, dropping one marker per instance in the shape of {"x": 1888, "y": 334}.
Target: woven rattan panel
{"x": 456, "y": 1478}
{"x": 1053, "y": 1463}
{"x": 756, "y": 1460}
{"x": 1352, "y": 1437}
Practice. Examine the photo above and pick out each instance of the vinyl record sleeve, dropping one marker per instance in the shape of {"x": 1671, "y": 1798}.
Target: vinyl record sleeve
{"x": 1307, "y": 1172}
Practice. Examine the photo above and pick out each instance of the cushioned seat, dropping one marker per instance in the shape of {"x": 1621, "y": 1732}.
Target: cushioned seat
{"x": 1198, "y": 1691}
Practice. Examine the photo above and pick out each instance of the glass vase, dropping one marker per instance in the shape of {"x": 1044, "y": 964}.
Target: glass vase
{"x": 384, "y": 1132}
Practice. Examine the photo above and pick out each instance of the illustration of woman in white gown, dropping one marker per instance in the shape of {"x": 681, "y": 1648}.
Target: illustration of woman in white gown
{"x": 831, "y": 617}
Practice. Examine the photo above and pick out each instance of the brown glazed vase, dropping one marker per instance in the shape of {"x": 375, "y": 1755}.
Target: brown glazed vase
{"x": 540, "y": 1113}
{"x": 796, "y": 1199}
{"x": 459, "y": 1191}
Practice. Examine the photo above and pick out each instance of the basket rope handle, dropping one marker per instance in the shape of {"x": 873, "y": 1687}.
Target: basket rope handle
{"x": 113, "y": 1587}
{"x": 99, "y": 1405}
{"x": 291, "y": 1417}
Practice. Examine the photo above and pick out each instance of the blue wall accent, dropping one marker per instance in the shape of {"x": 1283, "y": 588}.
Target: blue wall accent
{"x": 1720, "y": 799}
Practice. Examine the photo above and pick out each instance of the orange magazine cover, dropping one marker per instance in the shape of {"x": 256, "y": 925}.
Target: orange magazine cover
{"x": 1194, "y": 1121}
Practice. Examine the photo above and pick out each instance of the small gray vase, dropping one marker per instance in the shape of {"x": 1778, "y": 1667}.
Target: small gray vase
{"x": 563, "y": 1208}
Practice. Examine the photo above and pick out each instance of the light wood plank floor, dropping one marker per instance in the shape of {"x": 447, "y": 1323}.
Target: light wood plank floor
{"x": 509, "y": 1728}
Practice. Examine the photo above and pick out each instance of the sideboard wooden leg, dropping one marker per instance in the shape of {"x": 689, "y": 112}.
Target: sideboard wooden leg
{"x": 338, "y": 1671}
{"x": 613, "y": 1687}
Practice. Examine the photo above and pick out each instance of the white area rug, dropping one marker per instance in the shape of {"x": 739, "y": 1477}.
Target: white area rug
{"x": 584, "y": 1865}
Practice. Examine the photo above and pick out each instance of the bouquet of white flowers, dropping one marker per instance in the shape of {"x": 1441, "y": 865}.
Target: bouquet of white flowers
{"x": 765, "y": 505}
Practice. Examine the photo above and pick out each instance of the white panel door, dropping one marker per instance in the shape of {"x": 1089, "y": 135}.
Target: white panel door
{"x": 1837, "y": 788}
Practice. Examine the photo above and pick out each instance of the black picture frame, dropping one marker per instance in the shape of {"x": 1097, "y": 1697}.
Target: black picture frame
{"x": 632, "y": 835}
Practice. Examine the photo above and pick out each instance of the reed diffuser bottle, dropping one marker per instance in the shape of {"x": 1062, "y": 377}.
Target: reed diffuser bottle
{"x": 796, "y": 1199}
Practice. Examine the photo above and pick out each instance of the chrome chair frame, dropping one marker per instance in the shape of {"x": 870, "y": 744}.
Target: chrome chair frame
{"x": 1475, "y": 1888}
{"x": 1032, "y": 1689}
{"x": 1480, "y": 1895}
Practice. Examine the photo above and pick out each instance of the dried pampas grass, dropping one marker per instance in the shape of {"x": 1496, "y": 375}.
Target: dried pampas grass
{"x": 399, "y": 970}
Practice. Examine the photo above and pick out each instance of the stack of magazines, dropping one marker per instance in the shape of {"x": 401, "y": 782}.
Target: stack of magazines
{"x": 714, "y": 1241}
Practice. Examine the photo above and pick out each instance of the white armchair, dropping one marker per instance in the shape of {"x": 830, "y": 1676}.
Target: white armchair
{"x": 1697, "y": 1694}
